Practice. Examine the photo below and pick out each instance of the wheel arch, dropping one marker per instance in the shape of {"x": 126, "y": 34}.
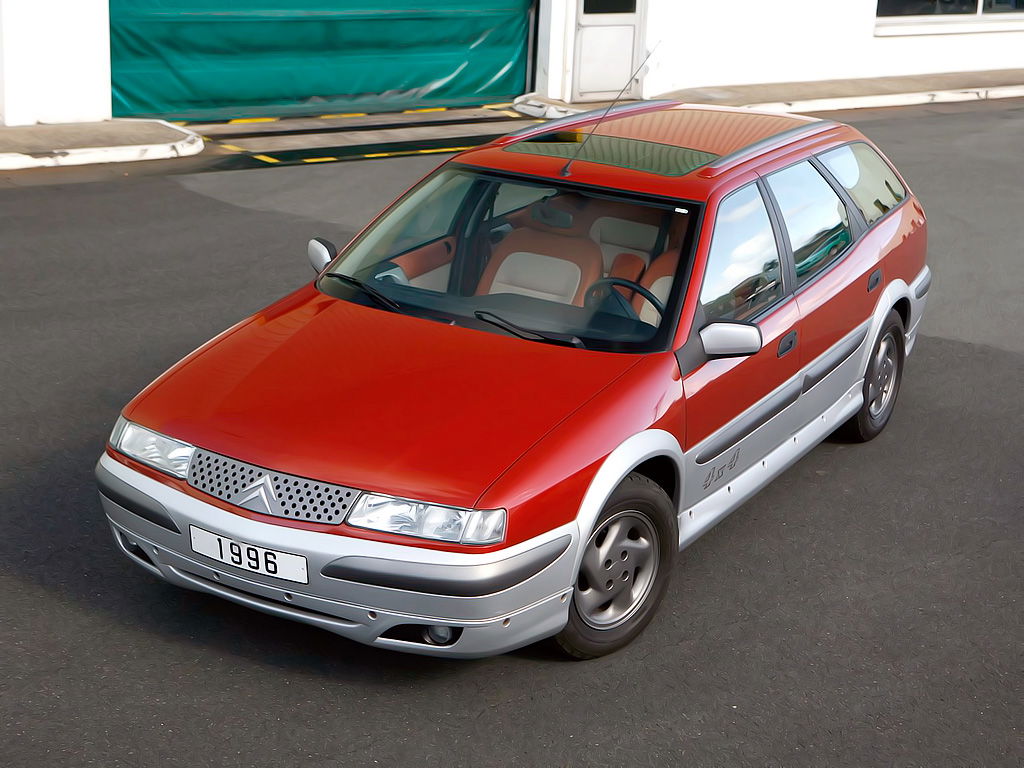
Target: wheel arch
{"x": 651, "y": 452}
{"x": 895, "y": 296}
{"x": 902, "y": 307}
{"x": 665, "y": 472}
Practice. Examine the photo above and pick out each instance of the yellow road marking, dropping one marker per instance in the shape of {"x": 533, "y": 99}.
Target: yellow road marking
{"x": 233, "y": 148}
{"x": 253, "y": 120}
{"x": 267, "y": 158}
{"x": 319, "y": 159}
{"x": 498, "y": 106}
{"x": 343, "y": 114}
{"x": 405, "y": 152}
{"x": 510, "y": 113}
{"x": 441, "y": 149}
{"x": 424, "y": 109}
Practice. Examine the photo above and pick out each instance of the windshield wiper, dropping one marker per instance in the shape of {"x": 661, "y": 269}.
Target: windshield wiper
{"x": 369, "y": 290}
{"x": 526, "y": 333}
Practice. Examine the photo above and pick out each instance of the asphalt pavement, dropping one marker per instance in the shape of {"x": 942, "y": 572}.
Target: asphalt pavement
{"x": 864, "y": 610}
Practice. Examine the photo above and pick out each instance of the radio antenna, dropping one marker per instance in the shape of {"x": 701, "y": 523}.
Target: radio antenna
{"x": 567, "y": 167}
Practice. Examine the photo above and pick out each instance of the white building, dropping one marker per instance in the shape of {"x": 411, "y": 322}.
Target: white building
{"x": 56, "y": 63}
{"x": 587, "y": 49}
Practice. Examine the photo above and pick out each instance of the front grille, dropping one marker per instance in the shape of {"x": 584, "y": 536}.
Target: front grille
{"x": 269, "y": 492}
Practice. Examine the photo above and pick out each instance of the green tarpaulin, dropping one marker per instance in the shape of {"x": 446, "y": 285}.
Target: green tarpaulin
{"x": 219, "y": 59}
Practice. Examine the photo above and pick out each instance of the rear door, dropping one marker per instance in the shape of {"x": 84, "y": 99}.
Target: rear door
{"x": 836, "y": 281}
{"x": 738, "y": 409}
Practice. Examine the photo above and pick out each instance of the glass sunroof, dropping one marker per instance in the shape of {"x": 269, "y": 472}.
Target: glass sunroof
{"x": 637, "y": 155}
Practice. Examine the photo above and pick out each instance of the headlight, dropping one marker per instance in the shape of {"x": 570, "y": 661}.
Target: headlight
{"x": 160, "y": 452}
{"x": 428, "y": 521}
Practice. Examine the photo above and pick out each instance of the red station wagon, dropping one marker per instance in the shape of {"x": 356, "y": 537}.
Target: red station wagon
{"x": 499, "y": 412}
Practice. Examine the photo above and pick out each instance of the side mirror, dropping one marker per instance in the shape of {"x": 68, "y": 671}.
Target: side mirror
{"x": 321, "y": 253}
{"x": 730, "y": 339}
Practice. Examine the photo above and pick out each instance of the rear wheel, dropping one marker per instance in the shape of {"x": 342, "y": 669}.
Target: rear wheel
{"x": 624, "y": 572}
{"x": 881, "y": 383}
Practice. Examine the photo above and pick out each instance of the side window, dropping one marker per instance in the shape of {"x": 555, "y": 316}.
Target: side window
{"x": 434, "y": 214}
{"x": 743, "y": 275}
{"x": 872, "y": 184}
{"x": 815, "y": 217}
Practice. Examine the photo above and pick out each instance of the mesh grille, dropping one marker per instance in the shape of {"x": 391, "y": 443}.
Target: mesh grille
{"x": 268, "y": 492}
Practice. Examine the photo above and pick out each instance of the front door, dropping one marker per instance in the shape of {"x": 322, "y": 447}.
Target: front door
{"x": 608, "y": 49}
{"x": 738, "y": 409}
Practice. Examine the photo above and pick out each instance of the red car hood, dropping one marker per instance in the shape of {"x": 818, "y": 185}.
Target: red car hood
{"x": 326, "y": 389}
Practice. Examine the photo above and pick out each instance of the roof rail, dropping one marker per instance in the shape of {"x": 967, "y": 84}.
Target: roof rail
{"x": 778, "y": 140}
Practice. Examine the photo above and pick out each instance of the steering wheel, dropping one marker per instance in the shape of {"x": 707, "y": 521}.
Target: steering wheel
{"x": 601, "y": 289}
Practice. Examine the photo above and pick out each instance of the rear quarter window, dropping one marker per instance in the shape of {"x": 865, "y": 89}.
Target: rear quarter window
{"x": 872, "y": 184}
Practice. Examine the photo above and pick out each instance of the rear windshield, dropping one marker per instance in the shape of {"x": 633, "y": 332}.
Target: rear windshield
{"x": 541, "y": 260}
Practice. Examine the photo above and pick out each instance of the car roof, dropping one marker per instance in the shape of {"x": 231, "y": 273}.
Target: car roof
{"x": 657, "y": 147}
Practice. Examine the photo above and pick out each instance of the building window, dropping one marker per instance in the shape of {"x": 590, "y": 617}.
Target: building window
{"x": 609, "y": 6}
{"x": 925, "y": 7}
{"x": 888, "y": 8}
{"x": 1002, "y": 6}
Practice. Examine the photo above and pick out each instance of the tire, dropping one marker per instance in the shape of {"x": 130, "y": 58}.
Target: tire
{"x": 638, "y": 521}
{"x": 881, "y": 383}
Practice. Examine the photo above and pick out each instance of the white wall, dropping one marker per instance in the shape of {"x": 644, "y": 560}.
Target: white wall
{"x": 556, "y": 36}
{"x": 54, "y": 61}
{"x": 734, "y": 42}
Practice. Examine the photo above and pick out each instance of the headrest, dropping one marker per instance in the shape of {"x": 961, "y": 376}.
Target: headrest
{"x": 557, "y": 214}
{"x": 625, "y": 233}
{"x": 550, "y": 216}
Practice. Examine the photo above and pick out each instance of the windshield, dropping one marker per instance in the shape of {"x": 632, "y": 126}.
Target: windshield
{"x": 538, "y": 260}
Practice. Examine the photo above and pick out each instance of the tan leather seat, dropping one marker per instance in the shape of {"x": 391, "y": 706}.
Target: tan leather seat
{"x": 660, "y": 274}
{"x": 622, "y": 228}
{"x": 658, "y": 280}
{"x": 548, "y": 258}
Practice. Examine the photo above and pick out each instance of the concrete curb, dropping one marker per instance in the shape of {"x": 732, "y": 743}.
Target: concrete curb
{"x": 890, "y": 100}
{"x": 189, "y": 144}
{"x": 529, "y": 104}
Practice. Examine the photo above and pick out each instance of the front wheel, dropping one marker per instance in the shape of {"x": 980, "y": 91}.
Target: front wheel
{"x": 881, "y": 383}
{"x": 624, "y": 572}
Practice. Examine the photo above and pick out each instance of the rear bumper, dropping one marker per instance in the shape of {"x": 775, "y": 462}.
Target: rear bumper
{"x": 918, "y": 299}
{"x": 362, "y": 590}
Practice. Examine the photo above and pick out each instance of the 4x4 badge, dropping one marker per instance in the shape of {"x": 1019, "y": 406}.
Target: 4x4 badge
{"x": 257, "y": 496}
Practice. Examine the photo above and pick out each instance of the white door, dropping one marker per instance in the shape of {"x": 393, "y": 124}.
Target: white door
{"x": 607, "y": 49}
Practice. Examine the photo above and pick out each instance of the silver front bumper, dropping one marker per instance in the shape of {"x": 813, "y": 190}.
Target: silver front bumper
{"x": 496, "y": 601}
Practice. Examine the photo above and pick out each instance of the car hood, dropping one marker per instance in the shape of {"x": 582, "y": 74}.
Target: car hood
{"x": 326, "y": 389}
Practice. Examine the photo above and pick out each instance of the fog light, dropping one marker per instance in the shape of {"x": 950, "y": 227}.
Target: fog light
{"x": 438, "y": 635}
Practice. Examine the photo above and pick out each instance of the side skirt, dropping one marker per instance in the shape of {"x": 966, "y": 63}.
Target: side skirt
{"x": 698, "y": 519}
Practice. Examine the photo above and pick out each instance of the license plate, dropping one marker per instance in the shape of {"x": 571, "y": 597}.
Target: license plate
{"x": 249, "y": 557}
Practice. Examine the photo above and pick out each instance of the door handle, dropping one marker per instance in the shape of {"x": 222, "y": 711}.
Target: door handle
{"x": 787, "y": 343}
{"x": 874, "y": 279}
